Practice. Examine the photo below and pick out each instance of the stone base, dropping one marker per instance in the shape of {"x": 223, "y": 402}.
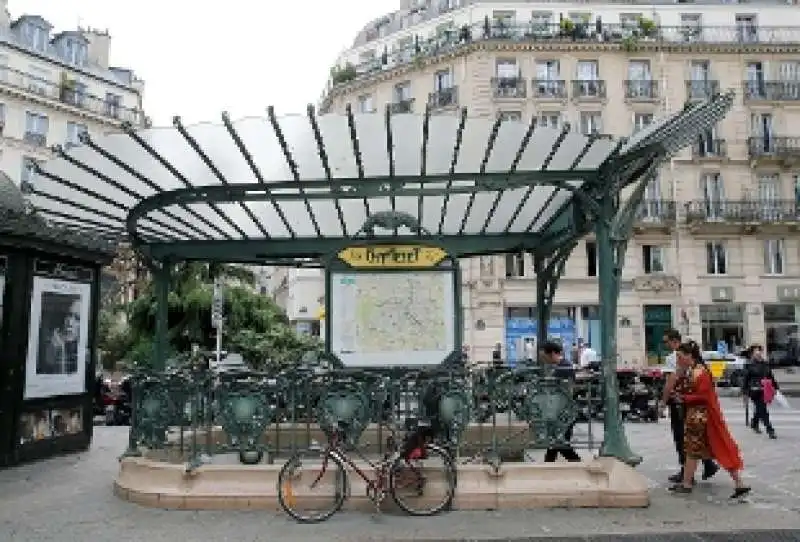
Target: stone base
{"x": 600, "y": 483}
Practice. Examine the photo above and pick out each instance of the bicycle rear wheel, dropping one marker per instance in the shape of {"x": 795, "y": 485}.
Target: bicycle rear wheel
{"x": 312, "y": 486}
{"x": 423, "y": 483}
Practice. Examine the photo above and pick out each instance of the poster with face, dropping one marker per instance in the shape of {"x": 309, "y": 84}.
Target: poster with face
{"x": 58, "y": 338}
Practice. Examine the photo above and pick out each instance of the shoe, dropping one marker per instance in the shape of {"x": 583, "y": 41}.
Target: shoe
{"x": 676, "y": 478}
{"x": 740, "y": 492}
{"x": 772, "y": 435}
{"x": 680, "y": 488}
{"x": 709, "y": 472}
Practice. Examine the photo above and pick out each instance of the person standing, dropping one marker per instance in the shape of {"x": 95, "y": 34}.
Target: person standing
{"x": 672, "y": 338}
{"x": 758, "y": 377}
{"x": 552, "y": 358}
{"x": 706, "y": 434}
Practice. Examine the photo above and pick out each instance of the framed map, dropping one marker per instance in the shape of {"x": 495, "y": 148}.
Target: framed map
{"x": 392, "y": 319}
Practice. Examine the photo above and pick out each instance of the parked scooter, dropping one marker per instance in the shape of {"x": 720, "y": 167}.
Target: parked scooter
{"x": 117, "y": 403}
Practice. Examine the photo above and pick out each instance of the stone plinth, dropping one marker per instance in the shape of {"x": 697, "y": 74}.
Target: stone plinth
{"x": 600, "y": 483}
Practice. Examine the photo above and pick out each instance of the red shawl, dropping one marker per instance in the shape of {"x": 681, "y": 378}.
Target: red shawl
{"x": 723, "y": 448}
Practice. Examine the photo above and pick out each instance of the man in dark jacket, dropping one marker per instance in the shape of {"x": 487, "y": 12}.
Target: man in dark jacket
{"x": 552, "y": 358}
{"x": 753, "y": 387}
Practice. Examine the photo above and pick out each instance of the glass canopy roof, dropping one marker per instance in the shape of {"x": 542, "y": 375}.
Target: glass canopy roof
{"x": 302, "y": 177}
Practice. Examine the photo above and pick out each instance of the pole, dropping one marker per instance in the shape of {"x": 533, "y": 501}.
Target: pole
{"x": 217, "y": 317}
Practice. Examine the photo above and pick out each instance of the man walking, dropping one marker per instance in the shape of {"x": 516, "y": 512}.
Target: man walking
{"x": 672, "y": 338}
{"x": 757, "y": 378}
{"x": 552, "y": 358}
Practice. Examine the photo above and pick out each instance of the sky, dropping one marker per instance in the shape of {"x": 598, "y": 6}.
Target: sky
{"x": 201, "y": 58}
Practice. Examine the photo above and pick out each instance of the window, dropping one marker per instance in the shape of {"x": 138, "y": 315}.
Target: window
{"x": 74, "y": 52}
{"x": 774, "y": 250}
{"x": 510, "y": 115}
{"x": 713, "y": 191}
{"x": 28, "y": 173}
{"x": 640, "y": 80}
{"x": 747, "y": 28}
{"x": 591, "y": 259}
{"x": 365, "y": 104}
{"x": 74, "y": 130}
{"x": 716, "y": 258}
{"x": 442, "y": 80}
{"x": 515, "y": 265}
{"x": 587, "y": 70}
{"x": 39, "y": 80}
{"x": 548, "y": 120}
{"x": 629, "y": 22}
{"x": 507, "y": 69}
{"x": 769, "y": 197}
{"x": 402, "y": 92}
{"x": 547, "y": 70}
{"x": 541, "y": 22}
{"x": 691, "y": 26}
{"x": 653, "y": 259}
{"x": 113, "y": 104}
{"x": 36, "y": 123}
{"x": 591, "y": 122}
{"x": 641, "y": 121}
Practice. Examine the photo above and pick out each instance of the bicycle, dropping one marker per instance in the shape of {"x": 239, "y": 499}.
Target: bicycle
{"x": 400, "y": 468}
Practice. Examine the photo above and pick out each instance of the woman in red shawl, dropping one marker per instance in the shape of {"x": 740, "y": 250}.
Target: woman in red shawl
{"x": 706, "y": 435}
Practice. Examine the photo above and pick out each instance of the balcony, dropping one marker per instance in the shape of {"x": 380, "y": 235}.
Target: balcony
{"x": 641, "y": 90}
{"x": 444, "y": 97}
{"x": 549, "y": 89}
{"x": 588, "y": 90}
{"x": 706, "y": 149}
{"x": 402, "y": 106}
{"x": 771, "y": 91}
{"x": 742, "y": 212}
{"x": 655, "y": 214}
{"x": 19, "y": 82}
{"x": 509, "y": 87}
{"x": 780, "y": 149}
{"x": 701, "y": 89}
{"x": 36, "y": 139}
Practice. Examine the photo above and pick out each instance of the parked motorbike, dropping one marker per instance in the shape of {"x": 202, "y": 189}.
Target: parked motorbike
{"x": 117, "y": 403}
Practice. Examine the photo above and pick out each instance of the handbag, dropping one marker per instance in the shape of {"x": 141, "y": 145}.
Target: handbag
{"x": 781, "y": 400}
{"x": 768, "y": 389}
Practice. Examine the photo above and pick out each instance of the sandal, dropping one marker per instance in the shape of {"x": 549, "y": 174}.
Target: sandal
{"x": 740, "y": 492}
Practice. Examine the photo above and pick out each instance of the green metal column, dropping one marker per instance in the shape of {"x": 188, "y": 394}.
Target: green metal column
{"x": 615, "y": 442}
{"x": 160, "y": 343}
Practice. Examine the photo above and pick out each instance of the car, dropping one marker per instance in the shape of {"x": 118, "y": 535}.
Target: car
{"x": 727, "y": 369}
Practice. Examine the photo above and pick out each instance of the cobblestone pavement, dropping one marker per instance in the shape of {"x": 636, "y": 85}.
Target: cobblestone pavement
{"x": 69, "y": 498}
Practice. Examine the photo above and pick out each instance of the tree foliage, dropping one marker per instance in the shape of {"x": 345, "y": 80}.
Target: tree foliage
{"x": 254, "y": 326}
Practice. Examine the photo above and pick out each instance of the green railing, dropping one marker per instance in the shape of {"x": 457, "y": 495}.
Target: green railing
{"x": 488, "y": 415}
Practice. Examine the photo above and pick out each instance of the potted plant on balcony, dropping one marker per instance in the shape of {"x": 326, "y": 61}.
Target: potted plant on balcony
{"x": 567, "y": 28}
{"x": 647, "y": 27}
{"x": 343, "y": 75}
{"x": 67, "y": 88}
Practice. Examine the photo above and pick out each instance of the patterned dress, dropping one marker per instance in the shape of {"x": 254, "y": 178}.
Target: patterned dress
{"x": 695, "y": 435}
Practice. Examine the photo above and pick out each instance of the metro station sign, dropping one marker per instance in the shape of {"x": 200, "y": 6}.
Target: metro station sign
{"x": 393, "y": 256}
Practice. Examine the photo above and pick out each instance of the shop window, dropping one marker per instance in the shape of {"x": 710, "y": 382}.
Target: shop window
{"x": 723, "y": 327}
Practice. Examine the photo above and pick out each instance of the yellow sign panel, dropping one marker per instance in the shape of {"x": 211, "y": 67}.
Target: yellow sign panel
{"x": 717, "y": 368}
{"x": 393, "y": 256}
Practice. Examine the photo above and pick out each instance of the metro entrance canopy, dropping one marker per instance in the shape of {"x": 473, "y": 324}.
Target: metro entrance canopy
{"x": 297, "y": 186}
{"x": 289, "y": 189}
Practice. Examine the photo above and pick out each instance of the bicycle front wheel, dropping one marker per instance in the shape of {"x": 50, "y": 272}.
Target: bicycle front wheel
{"x": 424, "y": 483}
{"x": 312, "y": 486}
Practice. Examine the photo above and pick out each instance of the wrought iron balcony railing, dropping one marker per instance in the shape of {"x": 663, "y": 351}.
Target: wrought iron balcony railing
{"x": 402, "y": 106}
{"x": 641, "y": 90}
{"x": 774, "y": 147}
{"x": 72, "y": 96}
{"x": 592, "y": 32}
{"x": 772, "y": 91}
{"x": 444, "y": 97}
{"x": 742, "y": 211}
{"x": 553, "y": 89}
{"x": 710, "y": 148}
{"x": 588, "y": 89}
{"x": 701, "y": 89}
{"x": 35, "y": 138}
{"x": 656, "y": 212}
{"x": 509, "y": 87}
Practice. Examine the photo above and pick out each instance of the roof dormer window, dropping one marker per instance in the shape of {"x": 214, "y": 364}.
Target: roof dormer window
{"x": 75, "y": 52}
{"x": 36, "y": 36}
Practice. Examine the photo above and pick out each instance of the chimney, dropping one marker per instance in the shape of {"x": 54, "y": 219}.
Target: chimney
{"x": 99, "y": 45}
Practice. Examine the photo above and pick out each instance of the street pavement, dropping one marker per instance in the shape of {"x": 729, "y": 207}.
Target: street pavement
{"x": 69, "y": 498}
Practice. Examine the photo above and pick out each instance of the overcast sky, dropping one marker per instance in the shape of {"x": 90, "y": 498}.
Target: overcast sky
{"x": 200, "y": 58}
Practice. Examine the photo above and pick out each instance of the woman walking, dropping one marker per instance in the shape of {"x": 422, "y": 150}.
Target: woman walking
{"x": 706, "y": 435}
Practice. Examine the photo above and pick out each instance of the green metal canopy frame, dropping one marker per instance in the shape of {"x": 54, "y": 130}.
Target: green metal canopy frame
{"x": 287, "y": 190}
